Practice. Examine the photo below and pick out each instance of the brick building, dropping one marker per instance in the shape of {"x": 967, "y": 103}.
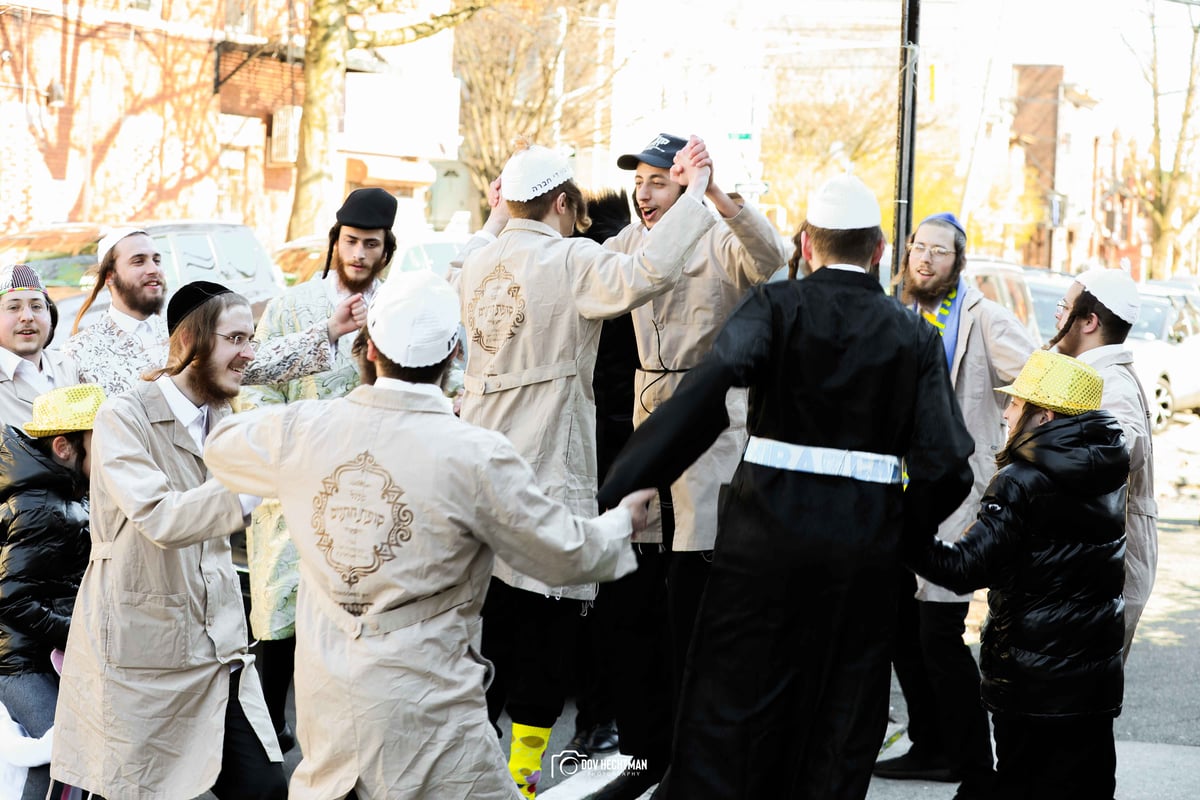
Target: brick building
{"x": 181, "y": 109}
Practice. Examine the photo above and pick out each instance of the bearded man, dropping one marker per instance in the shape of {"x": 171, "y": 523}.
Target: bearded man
{"x": 131, "y": 338}
{"x": 361, "y": 245}
{"x": 159, "y": 696}
{"x": 985, "y": 347}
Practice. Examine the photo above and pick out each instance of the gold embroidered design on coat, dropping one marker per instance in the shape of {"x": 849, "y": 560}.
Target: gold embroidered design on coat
{"x": 361, "y": 503}
{"x": 496, "y": 310}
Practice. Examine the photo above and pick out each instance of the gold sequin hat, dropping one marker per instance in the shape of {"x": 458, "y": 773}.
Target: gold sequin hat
{"x": 65, "y": 410}
{"x": 1060, "y": 383}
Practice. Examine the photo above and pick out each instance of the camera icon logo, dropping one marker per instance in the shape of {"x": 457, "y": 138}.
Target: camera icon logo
{"x": 566, "y": 763}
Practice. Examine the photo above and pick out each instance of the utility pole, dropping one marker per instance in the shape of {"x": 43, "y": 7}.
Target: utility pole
{"x": 906, "y": 128}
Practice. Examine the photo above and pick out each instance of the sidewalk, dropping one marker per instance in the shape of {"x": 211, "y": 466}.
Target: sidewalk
{"x": 1144, "y": 772}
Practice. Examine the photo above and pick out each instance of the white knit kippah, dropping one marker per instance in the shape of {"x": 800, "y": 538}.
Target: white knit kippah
{"x": 110, "y": 239}
{"x": 1115, "y": 289}
{"x": 843, "y": 203}
{"x": 532, "y": 171}
{"x": 414, "y": 320}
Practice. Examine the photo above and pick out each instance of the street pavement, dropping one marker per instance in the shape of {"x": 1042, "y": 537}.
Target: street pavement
{"x": 1158, "y": 732}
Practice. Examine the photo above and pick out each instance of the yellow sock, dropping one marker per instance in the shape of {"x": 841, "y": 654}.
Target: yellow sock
{"x": 525, "y": 756}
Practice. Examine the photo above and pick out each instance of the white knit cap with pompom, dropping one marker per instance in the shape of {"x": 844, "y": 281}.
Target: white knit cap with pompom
{"x": 532, "y": 171}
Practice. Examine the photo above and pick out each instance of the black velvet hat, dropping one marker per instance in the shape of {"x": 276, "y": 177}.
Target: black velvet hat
{"x": 369, "y": 209}
{"x": 190, "y": 297}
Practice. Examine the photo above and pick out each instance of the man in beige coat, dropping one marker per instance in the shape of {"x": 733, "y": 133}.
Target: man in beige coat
{"x": 27, "y": 368}
{"x": 985, "y": 347}
{"x": 674, "y": 331}
{"x": 533, "y": 302}
{"x": 159, "y": 696}
{"x": 397, "y": 509}
{"x": 1094, "y": 318}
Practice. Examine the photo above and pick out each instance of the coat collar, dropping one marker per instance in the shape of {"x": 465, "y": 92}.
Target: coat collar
{"x": 400, "y": 399}
{"x": 158, "y": 411}
{"x": 847, "y": 277}
{"x": 532, "y": 225}
{"x": 1107, "y": 355}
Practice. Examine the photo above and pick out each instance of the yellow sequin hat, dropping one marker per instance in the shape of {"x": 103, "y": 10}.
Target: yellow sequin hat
{"x": 1060, "y": 383}
{"x": 65, "y": 410}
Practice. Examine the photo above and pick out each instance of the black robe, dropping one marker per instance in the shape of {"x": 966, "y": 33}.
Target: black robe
{"x": 786, "y": 690}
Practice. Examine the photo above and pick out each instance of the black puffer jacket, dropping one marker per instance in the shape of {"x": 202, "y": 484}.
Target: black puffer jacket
{"x": 1049, "y": 543}
{"x": 44, "y": 546}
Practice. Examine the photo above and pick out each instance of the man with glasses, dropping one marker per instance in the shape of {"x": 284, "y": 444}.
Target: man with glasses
{"x": 361, "y": 245}
{"x": 1094, "y": 318}
{"x": 985, "y": 346}
{"x": 159, "y": 696}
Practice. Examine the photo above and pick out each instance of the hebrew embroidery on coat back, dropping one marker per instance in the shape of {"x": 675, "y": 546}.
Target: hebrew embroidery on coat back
{"x": 496, "y": 310}
{"x": 359, "y": 519}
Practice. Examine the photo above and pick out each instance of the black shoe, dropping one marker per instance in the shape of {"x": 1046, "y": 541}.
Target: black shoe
{"x": 577, "y": 749}
{"x": 913, "y": 766}
{"x": 630, "y": 784}
{"x": 603, "y": 738}
{"x": 287, "y": 739}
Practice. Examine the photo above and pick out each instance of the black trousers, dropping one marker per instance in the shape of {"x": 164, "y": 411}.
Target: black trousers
{"x": 940, "y": 681}
{"x": 246, "y": 771}
{"x": 923, "y": 727}
{"x": 1055, "y": 758}
{"x": 631, "y": 622}
{"x": 530, "y": 639}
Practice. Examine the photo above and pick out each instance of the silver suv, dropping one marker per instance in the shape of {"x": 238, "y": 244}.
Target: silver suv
{"x": 65, "y": 258}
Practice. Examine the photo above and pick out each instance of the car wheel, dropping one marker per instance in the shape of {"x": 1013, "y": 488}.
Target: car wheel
{"x": 1164, "y": 405}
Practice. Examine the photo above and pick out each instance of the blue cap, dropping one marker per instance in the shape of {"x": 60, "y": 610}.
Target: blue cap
{"x": 946, "y": 217}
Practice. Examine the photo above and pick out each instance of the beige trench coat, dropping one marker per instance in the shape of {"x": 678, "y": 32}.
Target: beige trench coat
{"x": 16, "y": 397}
{"x": 532, "y": 304}
{"x": 675, "y": 330}
{"x": 397, "y": 507}
{"x": 992, "y": 347}
{"x": 1124, "y": 397}
{"x": 158, "y": 620}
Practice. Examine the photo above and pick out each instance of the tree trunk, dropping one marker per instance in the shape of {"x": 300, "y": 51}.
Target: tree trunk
{"x": 316, "y": 195}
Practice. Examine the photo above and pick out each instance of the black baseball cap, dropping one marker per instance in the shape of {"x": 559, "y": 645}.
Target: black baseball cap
{"x": 659, "y": 153}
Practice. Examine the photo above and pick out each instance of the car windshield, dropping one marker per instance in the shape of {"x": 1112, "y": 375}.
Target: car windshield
{"x": 61, "y": 259}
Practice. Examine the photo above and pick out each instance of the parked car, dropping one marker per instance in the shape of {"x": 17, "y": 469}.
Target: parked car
{"x": 302, "y": 258}
{"x": 65, "y": 258}
{"x": 1165, "y": 343}
{"x": 1004, "y": 283}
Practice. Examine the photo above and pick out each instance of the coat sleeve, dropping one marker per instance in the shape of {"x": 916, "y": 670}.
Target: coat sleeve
{"x": 1008, "y": 343}
{"x": 538, "y": 535}
{"x": 749, "y": 249}
{"x": 23, "y": 560}
{"x": 476, "y": 242}
{"x": 260, "y": 391}
{"x": 937, "y": 465}
{"x": 242, "y": 452}
{"x": 608, "y": 283}
{"x": 287, "y": 357}
{"x": 686, "y": 425}
{"x": 986, "y": 550}
{"x": 140, "y": 489}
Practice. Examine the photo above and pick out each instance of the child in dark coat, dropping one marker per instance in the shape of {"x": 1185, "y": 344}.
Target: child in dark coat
{"x": 44, "y": 548}
{"x": 1049, "y": 543}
